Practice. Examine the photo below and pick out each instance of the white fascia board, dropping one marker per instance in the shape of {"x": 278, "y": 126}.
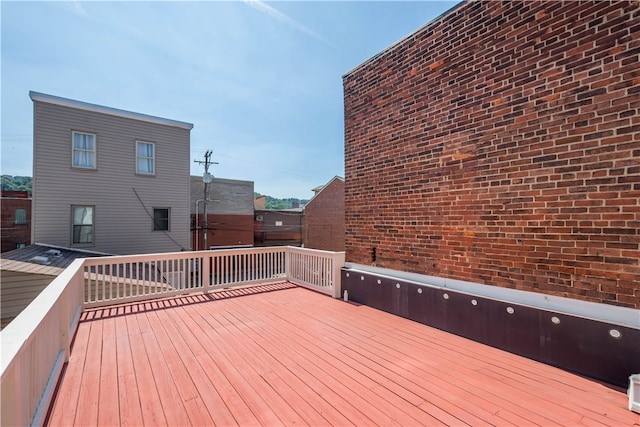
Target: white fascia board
{"x": 65, "y": 102}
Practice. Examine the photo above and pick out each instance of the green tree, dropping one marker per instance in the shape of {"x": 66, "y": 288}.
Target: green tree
{"x": 16, "y": 183}
{"x": 286, "y": 203}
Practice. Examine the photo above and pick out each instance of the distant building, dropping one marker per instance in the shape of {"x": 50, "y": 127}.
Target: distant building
{"x": 323, "y": 217}
{"x": 229, "y": 213}
{"x": 260, "y": 203}
{"x": 109, "y": 180}
{"x": 16, "y": 219}
{"x": 278, "y": 227}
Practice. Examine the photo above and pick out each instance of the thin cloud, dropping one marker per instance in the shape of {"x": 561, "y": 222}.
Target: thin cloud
{"x": 274, "y": 13}
{"x": 77, "y": 8}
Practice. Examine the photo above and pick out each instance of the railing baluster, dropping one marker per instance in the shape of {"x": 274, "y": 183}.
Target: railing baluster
{"x": 138, "y": 277}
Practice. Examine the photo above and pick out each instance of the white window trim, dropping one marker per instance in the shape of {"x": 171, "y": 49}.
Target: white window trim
{"x": 153, "y": 144}
{"x": 94, "y": 151}
{"x": 93, "y": 225}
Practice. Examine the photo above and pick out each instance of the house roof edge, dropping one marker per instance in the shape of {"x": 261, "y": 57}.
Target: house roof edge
{"x": 66, "y": 102}
{"x": 322, "y": 187}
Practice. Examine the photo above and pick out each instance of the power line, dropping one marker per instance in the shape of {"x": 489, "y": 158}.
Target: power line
{"x": 151, "y": 216}
{"x": 206, "y": 178}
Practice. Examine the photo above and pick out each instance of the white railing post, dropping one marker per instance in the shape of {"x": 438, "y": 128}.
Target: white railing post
{"x": 337, "y": 262}
{"x": 206, "y": 271}
{"x": 287, "y": 263}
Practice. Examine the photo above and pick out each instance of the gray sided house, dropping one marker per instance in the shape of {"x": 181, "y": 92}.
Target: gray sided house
{"x": 109, "y": 180}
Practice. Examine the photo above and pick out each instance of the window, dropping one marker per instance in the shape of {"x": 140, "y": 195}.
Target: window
{"x": 160, "y": 219}
{"x": 84, "y": 150}
{"x": 145, "y": 158}
{"x": 21, "y": 216}
{"x": 20, "y": 245}
{"x": 82, "y": 224}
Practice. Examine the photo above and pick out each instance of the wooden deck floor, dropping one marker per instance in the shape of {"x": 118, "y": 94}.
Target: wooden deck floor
{"x": 279, "y": 354}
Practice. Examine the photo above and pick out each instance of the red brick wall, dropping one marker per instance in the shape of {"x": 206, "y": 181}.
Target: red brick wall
{"x": 323, "y": 219}
{"x": 12, "y": 233}
{"x": 500, "y": 144}
{"x": 222, "y": 230}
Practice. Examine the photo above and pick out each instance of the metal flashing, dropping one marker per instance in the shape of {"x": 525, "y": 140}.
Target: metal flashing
{"x": 624, "y": 316}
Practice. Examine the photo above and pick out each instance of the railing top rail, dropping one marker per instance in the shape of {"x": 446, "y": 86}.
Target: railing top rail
{"x": 181, "y": 255}
{"x": 315, "y": 251}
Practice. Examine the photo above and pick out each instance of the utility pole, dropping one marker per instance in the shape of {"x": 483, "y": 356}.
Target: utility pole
{"x": 206, "y": 178}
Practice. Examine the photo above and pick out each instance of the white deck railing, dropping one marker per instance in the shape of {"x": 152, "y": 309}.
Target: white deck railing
{"x": 318, "y": 270}
{"x": 36, "y": 344}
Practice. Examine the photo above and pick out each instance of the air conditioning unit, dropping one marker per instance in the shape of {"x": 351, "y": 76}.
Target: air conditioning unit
{"x": 259, "y": 218}
{"x": 54, "y": 252}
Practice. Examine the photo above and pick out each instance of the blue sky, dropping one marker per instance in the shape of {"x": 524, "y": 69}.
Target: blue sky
{"x": 260, "y": 81}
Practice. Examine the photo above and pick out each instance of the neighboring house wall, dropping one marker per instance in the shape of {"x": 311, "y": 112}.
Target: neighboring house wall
{"x": 500, "y": 144}
{"x": 278, "y": 228}
{"x": 323, "y": 218}
{"x": 21, "y": 283}
{"x": 229, "y": 213}
{"x": 16, "y": 219}
{"x": 123, "y": 200}
{"x": 25, "y": 272}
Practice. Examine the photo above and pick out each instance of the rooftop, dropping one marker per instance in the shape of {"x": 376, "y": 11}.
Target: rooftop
{"x": 281, "y": 354}
{"x": 56, "y": 256}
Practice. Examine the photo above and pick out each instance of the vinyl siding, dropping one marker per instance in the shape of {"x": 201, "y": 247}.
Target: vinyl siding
{"x": 19, "y": 289}
{"x": 121, "y": 224}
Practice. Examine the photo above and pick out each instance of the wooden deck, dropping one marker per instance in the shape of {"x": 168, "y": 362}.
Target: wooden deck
{"x": 279, "y": 354}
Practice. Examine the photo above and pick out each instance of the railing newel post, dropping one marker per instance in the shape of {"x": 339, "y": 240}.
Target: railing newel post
{"x": 206, "y": 272}
{"x": 337, "y": 263}
{"x": 287, "y": 263}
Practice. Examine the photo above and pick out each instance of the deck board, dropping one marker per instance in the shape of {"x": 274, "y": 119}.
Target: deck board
{"x": 128, "y": 396}
{"x": 87, "y": 409}
{"x": 368, "y": 397}
{"x": 283, "y": 355}
{"x": 189, "y": 393}
{"x": 281, "y": 392}
{"x": 108, "y": 406}
{"x": 72, "y": 373}
{"x": 170, "y": 399}
{"x": 148, "y": 396}
{"x": 209, "y": 383}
